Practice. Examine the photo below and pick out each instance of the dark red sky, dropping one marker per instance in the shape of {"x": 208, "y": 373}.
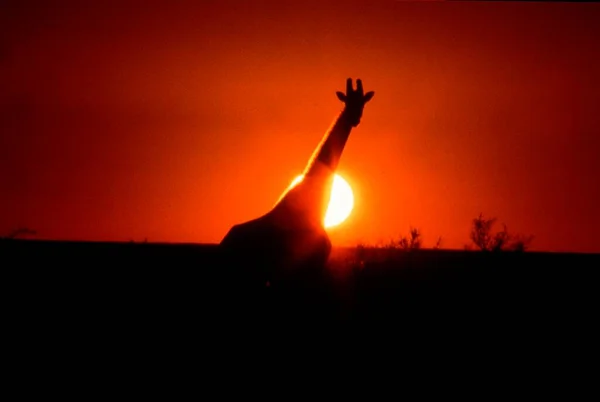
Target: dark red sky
{"x": 174, "y": 120}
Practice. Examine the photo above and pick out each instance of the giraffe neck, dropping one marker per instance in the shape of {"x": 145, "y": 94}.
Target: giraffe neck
{"x": 309, "y": 199}
{"x": 327, "y": 155}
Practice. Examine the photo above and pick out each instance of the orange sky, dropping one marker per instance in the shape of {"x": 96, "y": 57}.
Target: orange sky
{"x": 173, "y": 122}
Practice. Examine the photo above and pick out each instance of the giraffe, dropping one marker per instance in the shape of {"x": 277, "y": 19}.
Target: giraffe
{"x": 292, "y": 234}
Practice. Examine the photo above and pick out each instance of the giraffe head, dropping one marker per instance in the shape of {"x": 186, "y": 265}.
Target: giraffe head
{"x": 355, "y": 101}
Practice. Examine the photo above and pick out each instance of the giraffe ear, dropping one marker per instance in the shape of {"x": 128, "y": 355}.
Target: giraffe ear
{"x": 341, "y": 96}
{"x": 368, "y": 96}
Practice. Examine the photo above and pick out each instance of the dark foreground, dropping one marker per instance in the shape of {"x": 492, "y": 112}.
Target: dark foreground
{"x": 162, "y": 286}
{"x": 104, "y": 311}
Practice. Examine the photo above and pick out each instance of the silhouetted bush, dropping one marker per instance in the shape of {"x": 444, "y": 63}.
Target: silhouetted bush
{"x": 411, "y": 242}
{"x": 483, "y": 238}
{"x": 21, "y": 232}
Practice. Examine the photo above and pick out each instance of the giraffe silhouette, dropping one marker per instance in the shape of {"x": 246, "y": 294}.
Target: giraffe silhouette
{"x": 292, "y": 234}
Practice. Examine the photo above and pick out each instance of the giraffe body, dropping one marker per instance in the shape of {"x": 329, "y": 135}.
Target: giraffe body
{"x": 291, "y": 236}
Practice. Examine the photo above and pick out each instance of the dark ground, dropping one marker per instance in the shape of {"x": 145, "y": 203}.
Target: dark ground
{"x": 365, "y": 285}
{"x": 192, "y": 285}
{"x": 125, "y": 310}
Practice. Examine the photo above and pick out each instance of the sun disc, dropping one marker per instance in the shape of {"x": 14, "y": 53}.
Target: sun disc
{"x": 341, "y": 200}
{"x": 340, "y": 203}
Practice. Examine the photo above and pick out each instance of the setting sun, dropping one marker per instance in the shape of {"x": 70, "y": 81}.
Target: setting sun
{"x": 341, "y": 201}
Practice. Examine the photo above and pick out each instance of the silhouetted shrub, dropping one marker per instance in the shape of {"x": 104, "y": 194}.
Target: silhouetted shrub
{"x": 411, "y": 242}
{"x": 483, "y": 238}
{"x": 21, "y": 232}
